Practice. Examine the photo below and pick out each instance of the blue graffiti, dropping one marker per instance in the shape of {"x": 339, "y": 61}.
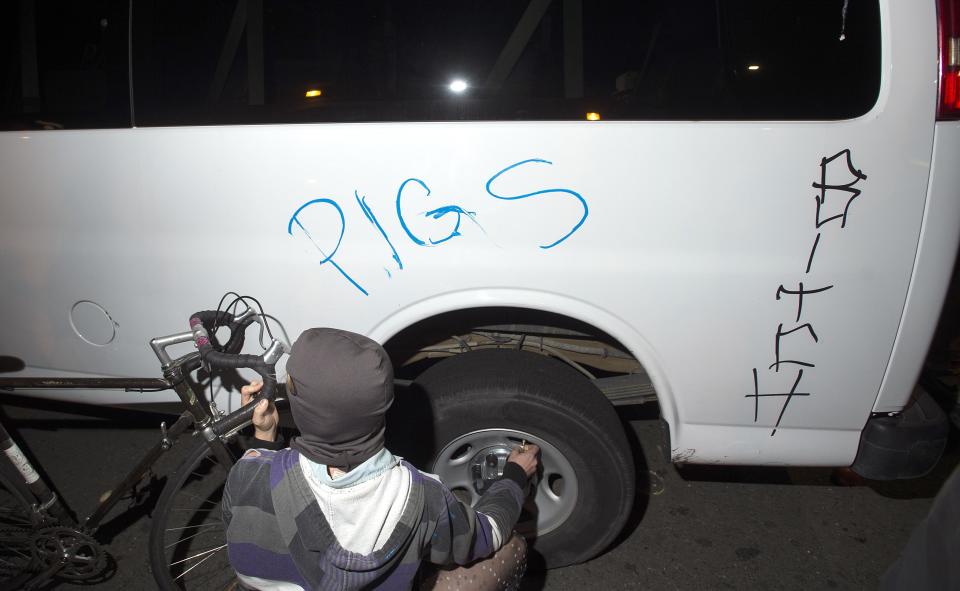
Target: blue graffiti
{"x": 445, "y": 211}
{"x": 362, "y": 202}
{"x": 576, "y": 195}
{"x": 433, "y": 213}
{"x": 455, "y": 209}
{"x": 327, "y": 258}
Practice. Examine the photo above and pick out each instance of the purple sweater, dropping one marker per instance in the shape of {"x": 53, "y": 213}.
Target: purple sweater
{"x": 277, "y": 531}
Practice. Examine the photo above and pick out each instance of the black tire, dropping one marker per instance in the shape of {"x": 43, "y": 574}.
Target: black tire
{"x": 187, "y": 524}
{"x": 518, "y": 392}
{"x": 16, "y": 530}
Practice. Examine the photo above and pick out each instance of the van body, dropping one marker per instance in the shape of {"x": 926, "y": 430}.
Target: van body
{"x": 767, "y": 256}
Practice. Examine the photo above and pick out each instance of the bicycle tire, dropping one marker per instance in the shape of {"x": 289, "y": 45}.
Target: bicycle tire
{"x": 16, "y": 533}
{"x": 187, "y": 539}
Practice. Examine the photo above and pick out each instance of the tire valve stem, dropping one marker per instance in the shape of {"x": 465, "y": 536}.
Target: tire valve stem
{"x": 523, "y": 445}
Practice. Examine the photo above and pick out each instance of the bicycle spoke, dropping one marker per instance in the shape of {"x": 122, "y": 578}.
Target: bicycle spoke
{"x": 199, "y": 554}
{"x": 17, "y": 552}
{"x": 14, "y": 517}
{"x": 21, "y": 540}
{"x": 181, "y": 575}
{"x": 192, "y": 526}
{"x": 199, "y": 498}
{"x": 182, "y": 540}
{"x": 199, "y": 475}
{"x": 181, "y": 509}
{"x": 12, "y": 545}
{"x": 14, "y": 550}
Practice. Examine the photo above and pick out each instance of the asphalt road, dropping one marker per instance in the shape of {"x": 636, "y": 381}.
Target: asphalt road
{"x": 695, "y": 528}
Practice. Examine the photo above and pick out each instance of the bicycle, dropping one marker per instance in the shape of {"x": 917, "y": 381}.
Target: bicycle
{"x": 41, "y": 540}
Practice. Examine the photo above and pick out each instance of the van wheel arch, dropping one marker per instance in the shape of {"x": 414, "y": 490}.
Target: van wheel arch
{"x": 414, "y": 349}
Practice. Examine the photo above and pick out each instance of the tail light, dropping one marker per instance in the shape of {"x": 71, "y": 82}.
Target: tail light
{"x": 949, "y": 17}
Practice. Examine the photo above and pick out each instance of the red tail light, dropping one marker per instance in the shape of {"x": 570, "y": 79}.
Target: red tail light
{"x": 949, "y": 16}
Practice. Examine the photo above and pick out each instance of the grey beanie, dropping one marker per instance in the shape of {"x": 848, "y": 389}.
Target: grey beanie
{"x": 342, "y": 388}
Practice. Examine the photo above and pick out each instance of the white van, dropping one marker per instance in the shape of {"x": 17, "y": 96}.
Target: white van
{"x": 746, "y": 211}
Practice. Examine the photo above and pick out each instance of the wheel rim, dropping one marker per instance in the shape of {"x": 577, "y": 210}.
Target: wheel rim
{"x": 194, "y": 539}
{"x": 553, "y": 497}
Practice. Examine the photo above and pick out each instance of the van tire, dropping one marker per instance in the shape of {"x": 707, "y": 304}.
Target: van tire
{"x": 508, "y": 391}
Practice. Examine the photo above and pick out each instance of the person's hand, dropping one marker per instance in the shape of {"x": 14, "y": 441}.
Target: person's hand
{"x": 526, "y": 458}
{"x": 265, "y": 415}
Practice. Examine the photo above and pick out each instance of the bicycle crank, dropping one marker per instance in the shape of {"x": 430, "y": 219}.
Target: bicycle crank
{"x": 67, "y": 553}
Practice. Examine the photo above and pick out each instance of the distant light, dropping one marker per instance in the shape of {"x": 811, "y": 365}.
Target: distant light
{"x": 458, "y": 86}
{"x": 753, "y": 67}
{"x": 314, "y": 92}
{"x": 593, "y": 116}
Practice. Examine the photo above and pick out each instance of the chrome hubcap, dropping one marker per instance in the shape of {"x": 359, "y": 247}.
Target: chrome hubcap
{"x": 469, "y": 464}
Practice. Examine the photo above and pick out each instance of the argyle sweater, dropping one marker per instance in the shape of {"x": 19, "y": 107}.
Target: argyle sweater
{"x": 278, "y": 537}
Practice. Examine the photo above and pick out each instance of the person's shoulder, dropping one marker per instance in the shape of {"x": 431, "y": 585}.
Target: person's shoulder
{"x": 435, "y": 492}
{"x": 254, "y": 461}
{"x": 420, "y": 476}
{"x": 252, "y": 480}
{"x": 260, "y": 455}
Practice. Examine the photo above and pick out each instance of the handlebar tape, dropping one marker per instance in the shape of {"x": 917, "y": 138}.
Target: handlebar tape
{"x": 244, "y": 414}
{"x": 229, "y": 358}
{"x": 211, "y": 318}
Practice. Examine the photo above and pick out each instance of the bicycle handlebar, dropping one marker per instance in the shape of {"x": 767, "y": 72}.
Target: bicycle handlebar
{"x": 202, "y": 325}
{"x": 236, "y": 324}
{"x": 244, "y": 414}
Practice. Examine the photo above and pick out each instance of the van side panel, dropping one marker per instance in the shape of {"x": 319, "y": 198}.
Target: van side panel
{"x": 939, "y": 237}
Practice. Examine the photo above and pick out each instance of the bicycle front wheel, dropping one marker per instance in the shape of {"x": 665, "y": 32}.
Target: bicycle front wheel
{"x": 188, "y": 546}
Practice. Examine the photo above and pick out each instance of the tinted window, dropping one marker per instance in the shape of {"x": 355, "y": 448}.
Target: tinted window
{"x": 250, "y": 61}
{"x": 560, "y": 59}
{"x": 64, "y": 64}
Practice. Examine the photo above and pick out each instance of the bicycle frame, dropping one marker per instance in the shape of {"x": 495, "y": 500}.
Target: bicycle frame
{"x": 176, "y": 376}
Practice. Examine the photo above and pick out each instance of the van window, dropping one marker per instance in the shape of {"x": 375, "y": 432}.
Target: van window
{"x": 249, "y": 61}
{"x": 63, "y": 65}
{"x": 206, "y": 63}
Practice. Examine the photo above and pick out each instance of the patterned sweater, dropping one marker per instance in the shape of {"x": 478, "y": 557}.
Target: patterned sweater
{"x": 280, "y": 538}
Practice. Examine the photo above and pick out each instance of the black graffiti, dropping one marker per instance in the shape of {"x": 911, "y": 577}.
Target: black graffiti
{"x": 800, "y": 293}
{"x": 776, "y": 346}
{"x": 841, "y": 195}
{"x": 787, "y": 396}
{"x": 812, "y": 252}
{"x": 848, "y": 188}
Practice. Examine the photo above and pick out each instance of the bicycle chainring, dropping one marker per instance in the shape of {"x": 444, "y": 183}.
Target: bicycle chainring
{"x": 79, "y": 556}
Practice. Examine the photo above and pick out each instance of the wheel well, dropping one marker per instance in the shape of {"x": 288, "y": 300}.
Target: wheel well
{"x": 584, "y": 347}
